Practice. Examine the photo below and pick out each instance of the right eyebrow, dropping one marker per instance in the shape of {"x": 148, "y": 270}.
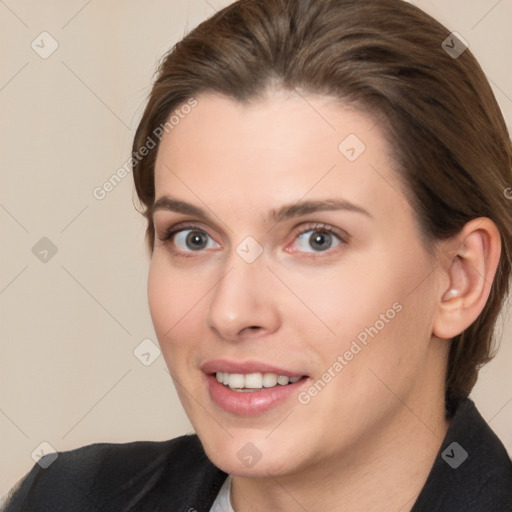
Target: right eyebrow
{"x": 174, "y": 205}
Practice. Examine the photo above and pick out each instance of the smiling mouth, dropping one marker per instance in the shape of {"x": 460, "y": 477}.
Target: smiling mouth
{"x": 250, "y": 382}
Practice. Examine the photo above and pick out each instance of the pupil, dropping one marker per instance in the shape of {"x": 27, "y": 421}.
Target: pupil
{"x": 321, "y": 241}
{"x": 195, "y": 240}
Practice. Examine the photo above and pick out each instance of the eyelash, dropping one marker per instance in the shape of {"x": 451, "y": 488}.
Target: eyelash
{"x": 343, "y": 237}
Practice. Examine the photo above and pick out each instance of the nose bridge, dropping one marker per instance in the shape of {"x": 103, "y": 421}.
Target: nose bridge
{"x": 241, "y": 298}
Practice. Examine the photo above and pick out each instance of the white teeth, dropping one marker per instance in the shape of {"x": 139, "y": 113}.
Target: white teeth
{"x": 254, "y": 381}
{"x": 269, "y": 380}
{"x": 239, "y": 381}
{"x": 283, "y": 380}
{"x": 236, "y": 380}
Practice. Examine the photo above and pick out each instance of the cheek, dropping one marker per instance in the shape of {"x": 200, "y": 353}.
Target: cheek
{"x": 377, "y": 307}
{"x": 387, "y": 330}
{"x": 161, "y": 299}
{"x": 174, "y": 300}
{"x": 342, "y": 301}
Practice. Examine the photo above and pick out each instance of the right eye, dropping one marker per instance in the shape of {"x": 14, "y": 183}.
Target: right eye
{"x": 190, "y": 239}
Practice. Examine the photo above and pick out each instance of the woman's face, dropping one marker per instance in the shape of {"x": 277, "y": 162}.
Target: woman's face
{"x": 291, "y": 252}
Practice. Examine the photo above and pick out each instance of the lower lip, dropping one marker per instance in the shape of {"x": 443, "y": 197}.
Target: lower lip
{"x": 251, "y": 403}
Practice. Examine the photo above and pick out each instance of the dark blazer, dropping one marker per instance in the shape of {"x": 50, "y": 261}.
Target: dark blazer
{"x": 472, "y": 473}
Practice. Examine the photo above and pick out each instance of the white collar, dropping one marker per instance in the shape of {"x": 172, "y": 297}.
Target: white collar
{"x": 222, "y": 502}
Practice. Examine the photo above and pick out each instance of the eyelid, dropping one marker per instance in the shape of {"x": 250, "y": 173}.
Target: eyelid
{"x": 168, "y": 226}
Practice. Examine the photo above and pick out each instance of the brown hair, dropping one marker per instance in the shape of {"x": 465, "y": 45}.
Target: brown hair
{"x": 450, "y": 140}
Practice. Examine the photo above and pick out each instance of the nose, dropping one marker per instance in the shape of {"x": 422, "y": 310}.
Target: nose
{"x": 244, "y": 303}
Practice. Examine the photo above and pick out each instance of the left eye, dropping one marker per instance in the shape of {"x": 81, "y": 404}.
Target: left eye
{"x": 318, "y": 240}
{"x": 193, "y": 240}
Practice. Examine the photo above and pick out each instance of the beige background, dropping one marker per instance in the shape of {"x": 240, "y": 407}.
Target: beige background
{"x": 68, "y": 374}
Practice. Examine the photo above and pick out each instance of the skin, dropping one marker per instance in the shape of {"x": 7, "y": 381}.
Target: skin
{"x": 368, "y": 440}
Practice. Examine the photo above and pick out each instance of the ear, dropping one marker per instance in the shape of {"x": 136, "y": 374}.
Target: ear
{"x": 468, "y": 262}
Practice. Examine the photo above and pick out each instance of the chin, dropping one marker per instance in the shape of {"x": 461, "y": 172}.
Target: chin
{"x": 275, "y": 466}
{"x": 250, "y": 455}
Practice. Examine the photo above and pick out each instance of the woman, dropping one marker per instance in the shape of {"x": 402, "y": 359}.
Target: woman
{"x": 330, "y": 247}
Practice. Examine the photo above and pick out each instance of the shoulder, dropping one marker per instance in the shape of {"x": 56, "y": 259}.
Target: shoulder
{"x": 489, "y": 468}
{"x": 109, "y": 476}
{"x": 472, "y": 471}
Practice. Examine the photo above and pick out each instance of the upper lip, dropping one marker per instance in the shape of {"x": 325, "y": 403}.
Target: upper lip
{"x": 245, "y": 367}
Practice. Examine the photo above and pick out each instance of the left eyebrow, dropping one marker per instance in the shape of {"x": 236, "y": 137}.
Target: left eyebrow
{"x": 307, "y": 207}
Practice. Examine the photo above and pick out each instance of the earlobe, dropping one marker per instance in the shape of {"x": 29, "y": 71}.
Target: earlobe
{"x": 470, "y": 273}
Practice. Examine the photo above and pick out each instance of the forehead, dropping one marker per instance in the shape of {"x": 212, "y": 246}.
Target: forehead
{"x": 277, "y": 149}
